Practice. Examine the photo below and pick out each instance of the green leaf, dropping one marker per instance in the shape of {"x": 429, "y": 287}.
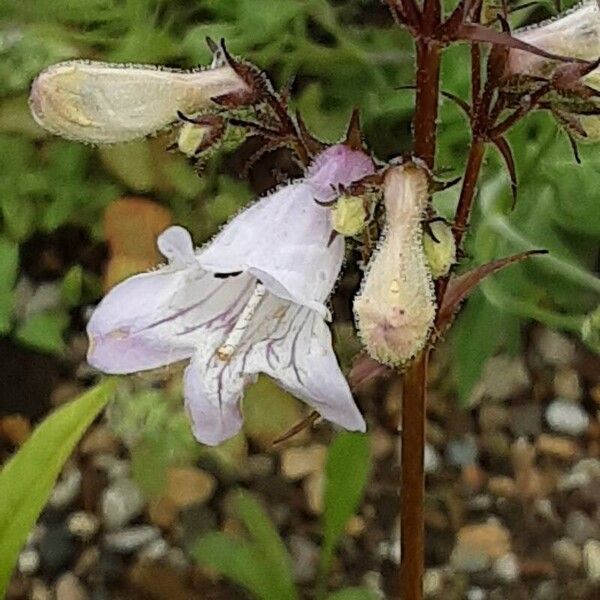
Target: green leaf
{"x": 29, "y": 476}
{"x": 346, "y": 473}
{"x": 268, "y": 543}
{"x": 72, "y": 285}
{"x": 44, "y": 331}
{"x": 354, "y": 593}
{"x": 237, "y": 560}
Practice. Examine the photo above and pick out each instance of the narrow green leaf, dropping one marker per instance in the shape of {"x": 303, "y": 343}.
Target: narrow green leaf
{"x": 268, "y": 543}
{"x": 346, "y": 473}
{"x": 29, "y": 476}
{"x": 44, "y": 331}
{"x": 236, "y": 559}
{"x": 355, "y": 593}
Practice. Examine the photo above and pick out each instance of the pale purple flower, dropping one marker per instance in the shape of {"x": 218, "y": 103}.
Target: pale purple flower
{"x": 251, "y": 301}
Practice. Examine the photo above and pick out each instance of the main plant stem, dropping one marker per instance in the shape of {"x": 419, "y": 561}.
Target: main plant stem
{"x": 414, "y": 387}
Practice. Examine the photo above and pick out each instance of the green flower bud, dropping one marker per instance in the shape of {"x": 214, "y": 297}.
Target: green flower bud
{"x": 440, "y": 254}
{"x": 590, "y": 330}
{"x": 349, "y": 216}
{"x": 192, "y": 137}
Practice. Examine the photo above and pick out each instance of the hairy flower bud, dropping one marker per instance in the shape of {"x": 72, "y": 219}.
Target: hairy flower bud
{"x": 576, "y": 33}
{"x": 349, "y": 216}
{"x": 395, "y": 308}
{"x": 440, "y": 248}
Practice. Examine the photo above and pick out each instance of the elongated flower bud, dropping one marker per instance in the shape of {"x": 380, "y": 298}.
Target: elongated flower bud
{"x": 395, "y": 309}
{"x": 576, "y": 33}
{"x": 440, "y": 248}
{"x": 105, "y": 103}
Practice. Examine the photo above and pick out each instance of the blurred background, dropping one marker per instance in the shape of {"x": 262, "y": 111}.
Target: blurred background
{"x": 513, "y": 432}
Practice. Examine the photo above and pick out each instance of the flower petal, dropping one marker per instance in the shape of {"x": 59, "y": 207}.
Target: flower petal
{"x": 283, "y": 241}
{"x": 213, "y": 392}
{"x": 338, "y": 165}
{"x": 294, "y": 347}
{"x": 160, "y": 317}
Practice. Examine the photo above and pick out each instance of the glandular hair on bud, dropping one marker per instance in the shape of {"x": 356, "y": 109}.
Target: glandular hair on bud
{"x": 440, "y": 248}
{"x": 349, "y": 216}
{"x": 576, "y": 33}
{"x": 395, "y": 308}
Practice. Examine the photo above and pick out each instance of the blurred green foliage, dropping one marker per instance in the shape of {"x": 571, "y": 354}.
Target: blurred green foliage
{"x": 342, "y": 54}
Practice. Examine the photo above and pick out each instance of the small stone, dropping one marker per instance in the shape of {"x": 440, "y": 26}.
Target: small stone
{"x": 56, "y": 548}
{"x": 313, "y": 488}
{"x": 503, "y": 377}
{"x": 120, "y": 502}
{"x": 99, "y": 440}
{"x": 86, "y": 562}
{"x": 475, "y": 593}
{"x": 83, "y": 525}
{"x": 478, "y": 545}
{"x": 162, "y": 512}
{"x": 526, "y": 419}
{"x": 177, "y": 559}
{"x": 504, "y": 487}
{"x": 432, "y": 459}
{"x": 356, "y": 526}
{"x": 546, "y": 590}
{"x": 567, "y": 554}
{"x": 155, "y": 550}
{"x": 567, "y": 385}
{"x": 115, "y": 468}
{"x": 15, "y": 429}
{"x": 305, "y": 558}
{"x": 591, "y": 560}
{"x": 433, "y": 582}
{"x": 189, "y": 485}
{"x": 506, "y": 568}
{"x": 382, "y": 444}
{"x": 68, "y": 587}
{"x": 557, "y": 447}
{"x": 64, "y": 392}
{"x": 555, "y": 348}
{"x": 67, "y": 488}
{"x": 567, "y": 417}
{"x": 260, "y": 465}
{"x": 493, "y": 416}
{"x": 579, "y": 527}
{"x": 299, "y": 462}
{"x": 463, "y": 451}
{"x": 131, "y": 539}
{"x": 39, "y": 591}
{"x": 29, "y": 561}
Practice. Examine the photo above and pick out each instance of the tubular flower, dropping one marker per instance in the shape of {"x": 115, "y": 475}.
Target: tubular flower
{"x": 576, "y": 33}
{"x": 395, "y": 308}
{"x": 251, "y": 301}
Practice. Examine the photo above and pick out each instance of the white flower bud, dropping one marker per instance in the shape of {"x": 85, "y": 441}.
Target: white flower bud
{"x": 395, "y": 308}
{"x": 441, "y": 254}
{"x": 349, "y": 216}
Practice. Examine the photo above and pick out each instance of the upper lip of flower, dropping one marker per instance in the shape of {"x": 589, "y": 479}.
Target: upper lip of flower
{"x": 185, "y": 310}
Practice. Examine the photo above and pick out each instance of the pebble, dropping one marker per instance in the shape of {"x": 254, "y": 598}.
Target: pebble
{"x": 120, "y": 502}
{"x": 591, "y": 560}
{"x": 162, "y": 512}
{"x": 506, "y": 568}
{"x": 475, "y": 593}
{"x": 433, "y": 581}
{"x": 115, "y": 468}
{"x": 492, "y": 416}
{"x": 567, "y": 553}
{"x": 504, "y": 487}
{"x": 463, "y": 451}
{"x": 313, "y": 488}
{"x": 565, "y": 416}
{"x": 67, "y": 488}
{"x": 526, "y": 419}
{"x": 155, "y": 550}
{"x": 39, "y": 591}
{"x": 305, "y": 558}
{"x": 83, "y": 525}
{"x": 382, "y": 444}
{"x": 29, "y": 561}
{"x": 566, "y": 384}
{"x": 503, "y": 377}
{"x": 555, "y": 348}
{"x": 299, "y": 462}
{"x": 131, "y": 539}
{"x": 68, "y": 587}
{"x": 189, "y": 485}
{"x": 478, "y": 545}
{"x": 15, "y": 429}
{"x": 99, "y": 440}
{"x": 579, "y": 527}
{"x": 431, "y": 459}
{"x": 56, "y": 547}
{"x": 260, "y": 465}
{"x": 557, "y": 447}
{"x": 546, "y": 590}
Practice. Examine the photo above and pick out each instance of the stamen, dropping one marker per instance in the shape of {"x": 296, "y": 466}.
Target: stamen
{"x": 226, "y": 350}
